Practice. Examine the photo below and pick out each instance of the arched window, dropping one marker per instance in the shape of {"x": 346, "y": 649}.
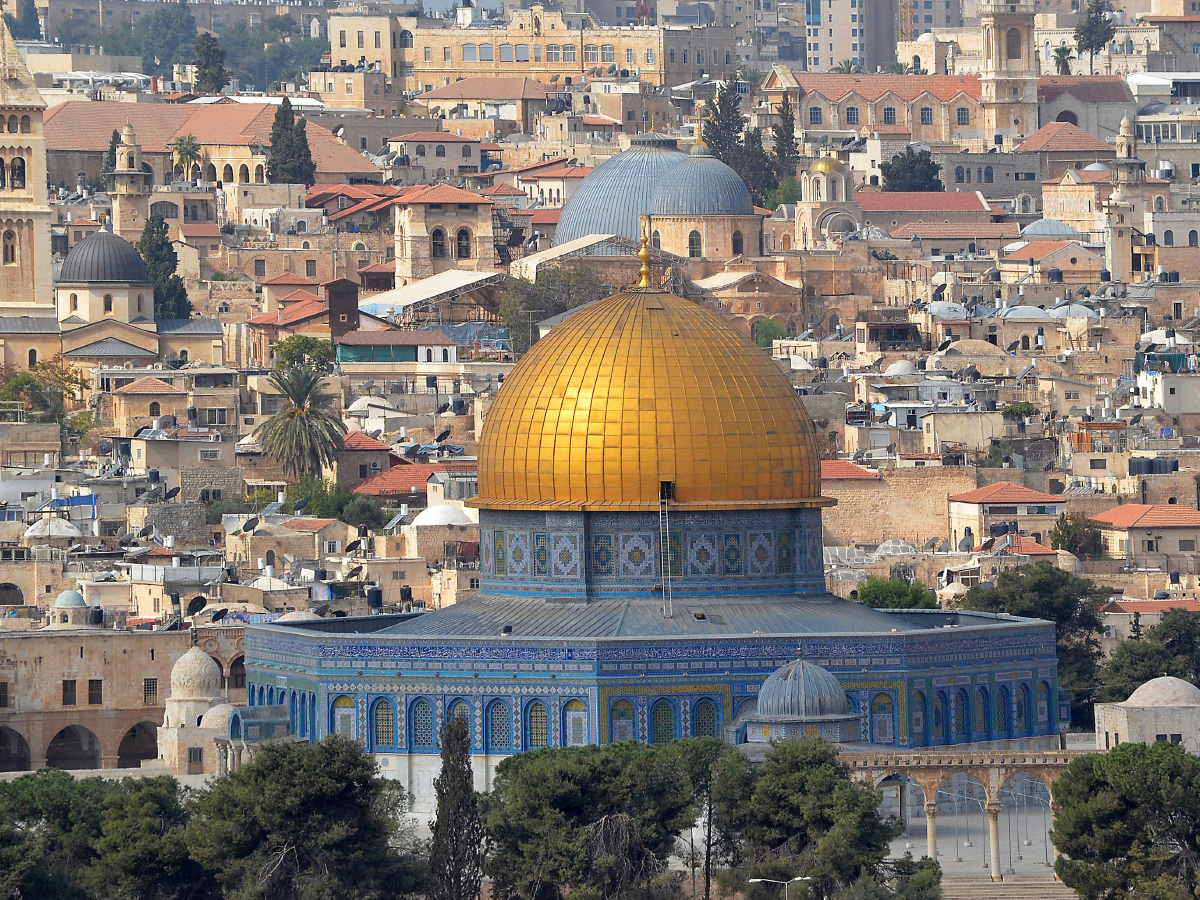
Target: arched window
{"x": 1043, "y": 703}
{"x": 1193, "y": 239}
{"x": 463, "y": 242}
{"x": 575, "y": 724}
{"x": 918, "y": 718}
{"x": 421, "y": 717}
{"x": 383, "y": 724}
{"x": 25, "y": 125}
{"x": 958, "y": 175}
{"x": 74, "y": 302}
{"x": 958, "y": 715}
{"x": 704, "y": 719}
{"x": 1168, "y": 238}
{"x": 1021, "y": 712}
{"x": 537, "y": 733}
{"x": 1001, "y": 713}
{"x": 695, "y": 247}
{"x": 466, "y": 151}
{"x": 155, "y": 408}
{"x": 420, "y": 149}
{"x": 621, "y": 722}
{"x": 883, "y": 719}
{"x": 979, "y": 722}
{"x": 227, "y": 174}
{"x": 1012, "y": 43}
{"x": 738, "y": 243}
{"x": 406, "y": 40}
{"x": 428, "y": 355}
{"x": 237, "y": 673}
{"x": 17, "y": 174}
{"x": 32, "y": 357}
{"x": 439, "y": 243}
{"x": 343, "y": 715}
{"x": 243, "y": 174}
{"x": 439, "y": 150}
{"x": 499, "y": 722}
{"x": 988, "y": 175}
{"x": 662, "y": 722}
{"x": 1158, "y": 201}
{"x": 445, "y": 354}
{"x": 303, "y": 721}
{"x": 2, "y": 173}
{"x": 656, "y": 240}
{"x": 12, "y": 125}
{"x": 926, "y": 115}
{"x": 1024, "y": 342}
{"x": 460, "y": 710}
{"x": 139, "y": 309}
{"x": 833, "y": 189}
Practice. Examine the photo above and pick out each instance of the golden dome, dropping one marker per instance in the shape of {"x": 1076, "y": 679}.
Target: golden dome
{"x": 827, "y": 165}
{"x": 641, "y": 388}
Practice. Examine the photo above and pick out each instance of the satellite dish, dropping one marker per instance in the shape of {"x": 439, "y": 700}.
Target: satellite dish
{"x": 412, "y": 450}
{"x": 354, "y": 573}
{"x": 75, "y": 548}
{"x": 930, "y": 544}
{"x": 944, "y": 548}
{"x": 944, "y": 345}
{"x": 441, "y": 437}
{"x": 352, "y": 546}
{"x": 320, "y": 610}
{"x": 374, "y": 435}
{"x": 171, "y": 494}
{"x": 250, "y": 525}
{"x": 1013, "y": 346}
{"x": 303, "y": 504}
{"x": 443, "y": 408}
{"x": 195, "y": 605}
{"x": 219, "y": 614}
{"x": 965, "y": 544}
{"x": 146, "y": 532}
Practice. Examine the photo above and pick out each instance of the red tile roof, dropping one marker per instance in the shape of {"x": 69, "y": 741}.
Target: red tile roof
{"x": 408, "y": 478}
{"x": 300, "y": 294}
{"x": 1079, "y": 176}
{"x": 503, "y": 189}
{"x": 208, "y": 231}
{"x": 440, "y": 193}
{"x": 545, "y": 216}
{"x": 532, "y": 167}
{"x": 920, "y": 201}
{"x": 1150, "y": 606}
{"x": 296, "y": 312}
{"x": 1137, "y": 515}
{"x": 906, "y": 88}
{"x": 1005, "y": 492}
{"x": 1039, "y": 250}
{"x": 843, "y": 470}
{"x": 379, "y": 268}
{"x": 307, "y": 523}
{"x": 485, "y": 88}
{"x": 289, "y": 278}
{"x": 958, "y": 230}
{"x": 1024, "y": 545}
{"x": 1084, "y": 88}
{"x": 1058, "y": 137}
{"x": 356, "y": 440}
{"x": 149, "y": 385}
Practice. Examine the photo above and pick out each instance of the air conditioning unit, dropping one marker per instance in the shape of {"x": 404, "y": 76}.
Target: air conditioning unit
{"x": 376, "y": 465}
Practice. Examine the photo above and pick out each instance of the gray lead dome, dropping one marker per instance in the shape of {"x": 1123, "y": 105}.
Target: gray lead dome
{"x": 701, "y": 185}
{"x": 610, "y": 199}
{"x": 801, "y": 690}
{"x": 103, "y": 257}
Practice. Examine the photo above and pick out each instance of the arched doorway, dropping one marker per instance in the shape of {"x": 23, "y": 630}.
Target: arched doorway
{"x": 10, "y": 595}
{"x": 1067, "y": 116}
{"x": 73, "y": 748}
{"x": 14, "y": 751}
{"x": 140, "y": 742}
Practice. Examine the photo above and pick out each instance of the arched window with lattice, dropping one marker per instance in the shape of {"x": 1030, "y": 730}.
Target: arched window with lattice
{"x": 662, "y": 722}
{"x": 422, "y": 725}
{"x": 704, "y": 719}
{"x": 384, "y": 724}
{"x": 537, "y": 728}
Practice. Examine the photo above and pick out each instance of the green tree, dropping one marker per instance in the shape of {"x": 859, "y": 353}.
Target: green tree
{"x": 278, "y": 50}
{"x": 304, "y": 436}
{"x": 110, "y": 159}
{"x": 1172, "y": 647}
{"x": 162, "y": 38}
{"x": 1022, "y": 409}
{"x": 893, "y": 593}
{"x": 290, "y": 160}
{"x": 456, "y": 852}
{"x": 1093, "y": 32}
{"x": 784, "y": 152}
{"x": 847, "y": 67}
{"x": 1076, "y": 534}
{"x": 788, "y": 192}
{"x": 597, "y": 820}
{"x": 211, "y": 74}
{"x": 187, "y": 152}
{"x": 25, "y": 25}
{"x": 303, "y": 350}
{"x": 170, "y": 295}
{"x": 1128, "y": 823}
{"x": 305, "y": 821}
{"x": 557, "y": 290}
{"x": 767, "y": 331}
{"x": 805, "y": 816}
{"x": 705, "y": 762}
{"x": 363, "y": 510}
{"x": 911, "y": 171}
{"x": 1062, "y": 57}
{"x": 755, "y": 167}
{"x": 899, "y": 68}
{"x": 1044, "y": 591}
{"x": 724, "y": 124}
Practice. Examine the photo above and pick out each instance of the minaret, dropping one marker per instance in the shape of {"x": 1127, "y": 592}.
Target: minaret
{"x": 1127, "y": 168}
{"x": 1008, "y": 95}
{"x": 130, "y": 198}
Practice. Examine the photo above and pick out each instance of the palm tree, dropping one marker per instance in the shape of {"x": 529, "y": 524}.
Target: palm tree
{"x": 304, "y": 436}
{"x": 846, "y": 67}
{"x": 187, "y": 153}
{"x": 1062, "y": 59}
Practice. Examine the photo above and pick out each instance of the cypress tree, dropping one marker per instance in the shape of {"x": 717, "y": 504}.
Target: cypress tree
{"x": 457, "y": 850}
{"x": 724, "y": 125}
{"x": 279, "y": 160}
{"x": 304, "y": 170}
{"x": 170, "y": 294}
{"x": 785, "y": 153}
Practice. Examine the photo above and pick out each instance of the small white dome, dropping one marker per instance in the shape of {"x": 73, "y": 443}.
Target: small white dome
{"x": 299, "y": 615}
{"x": 948, "y": 278}
{"x": 70, "y": 600}
{"x": 217, "y": 717}
{"x": 1073, "y": 311}
{"x": 1097, "y": 167}
{"x": 1023, "y": 313}
{"x": 441, "y": 514}
{"x": 196, "y": 676}
{"x": 1165, "y": 691}
{"x": 52, "y": 528}
{"x": 947, "y": 309}
{"x": 1044, "y": 228}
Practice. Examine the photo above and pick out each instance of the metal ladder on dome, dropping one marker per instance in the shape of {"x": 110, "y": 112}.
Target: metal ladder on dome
{"x": 666, "y": 493}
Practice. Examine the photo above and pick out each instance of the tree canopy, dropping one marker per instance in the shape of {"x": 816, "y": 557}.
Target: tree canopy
{"x": 1044, "y": 591}
{"x": 170, "y": 294}
{"x": 1093, "y": 32}
{"x": 456, "y": 851}
{"x": 893, "y": 593}
{"x": 741, "y": 149}
{"x": 1172, "y": 647}
{"x": 290, "y": 160}
{"x": 303, "y": 350}
{"x": 211, "y": 74}
{"x": 25, "y": 25}
{"x": 557, "y": 290}
{"x": 911, "y": 171}
{"x": 305, "y": 435}
{"x": 161, "y": 38}
{"x": 1076, "y": 534}
{"x": 784, "y": 151}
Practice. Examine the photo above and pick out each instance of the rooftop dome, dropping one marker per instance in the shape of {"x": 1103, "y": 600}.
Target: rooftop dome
{"x": 701, "y": 185}
{"x": 1097, "y": 167}
{"x": 639, "y": 389}
{"x": 70, "y": 600}
{"x": 828, "y": 164}
{"x": 947, "y": 309}
{"x": 1073, "y": 311}
{"x": 1023, "y": 313}
{"x": 801, "y": 690}
{"x": 53, "y": 528}
{"x": 217, "y": 717}
{"x": 298, "y": 615}
{"x": 1165, "y": 691}
{"x": 900, "y": 367}
{"x": 196, "y": 676}
{"x": 442, "y": 514}
{"x": 1050, "y": 228}
{"x": 103, "y": 257}
{"x": 612, "y": 196}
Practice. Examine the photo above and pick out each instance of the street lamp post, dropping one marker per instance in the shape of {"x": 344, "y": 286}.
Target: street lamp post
{"x": 785, "y": 884}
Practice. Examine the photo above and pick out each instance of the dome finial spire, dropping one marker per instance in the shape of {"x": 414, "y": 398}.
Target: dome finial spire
{"x": 644, "y": 253}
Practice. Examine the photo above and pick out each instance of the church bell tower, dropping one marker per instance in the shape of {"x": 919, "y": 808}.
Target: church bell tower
{"x": 130, "y": 196}
{"x": 1008, "y": 99}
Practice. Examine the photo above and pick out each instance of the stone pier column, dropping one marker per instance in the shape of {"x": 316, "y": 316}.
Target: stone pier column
{"x": 993, "y": 814}
{"x": 931, "y": 830}
{"x": 1053, "y": 848}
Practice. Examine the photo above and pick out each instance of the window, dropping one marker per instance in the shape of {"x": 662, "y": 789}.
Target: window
{"x": 499, "y": 727}
{"x": 384, "y": 723}
{"x": 568, "y": 53}
{"x": 964, "y": 116}
{"x": 704, "y": 719}
{"x": 95, "y": 692}
{"x": 422, "y": 725}
{"x": 889, "y": 115}
{"x": 446, "y": 54}
{"x": 662, "y": 723}
{"x": 360, "y": 40}
{"x": 926, "y": 115}
{"x": 988, "y": 175}
{"x": 522, "y": 52}
{"x": 68, "y": 692}
{"x": 75, "y": 300}
{"x": 1097, "y": 464}
{"x": 608, "y": 53}
{"x": 108, "y": 302}
{"x": 377, "y": 41}
{"x": 649, "y": 57}
{"x": 695, "y": 247}
{"x": 656, "y": 240}
{"x": 1187, "y": 546}
{"x": 3, "y": 694}
{"x": 428, "y": 54}
{"x": 506, "y": 53}
{"x": 1168, "y": 238}
{"x": 438, "y": 239}
{"x": 10, "y": 248}
{"x": 738, "y": 243}
{"x": 260, "y": 268}
{"x": 851, "y": 115}
{"x": 237, "y": 673}
{"x": 630, "y": 57}
{"x": 155, "y": 408}
{"x": 575, "y": 731}
{"x": 406, "y": 40}
{"x": 310, "y": 268}
{"x": 814, "y": 115}
{"x": 470, "y": 53}
{"x": 486, "y": 53}
{"x": 341, "y": 39}
{"x": 553, "y": 53}
{"x": 216, "y": 417}
{"x": 537, "y": 736}
{"x": 463, "y": 243}
{"x": 591, "y": 53}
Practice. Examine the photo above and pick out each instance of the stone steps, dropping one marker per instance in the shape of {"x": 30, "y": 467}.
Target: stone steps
{"x": 1014, "y": 887}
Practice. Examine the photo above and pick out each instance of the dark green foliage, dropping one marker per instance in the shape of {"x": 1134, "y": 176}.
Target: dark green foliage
{"x": 767, "y": 331}
{"x": 303, "y": 350}
{"x": 110, "y": 159}
{"x": 741, "y": 150}
{"x": 456, "y": 852}
{"x": 303, "y": 822}
{"x": 589, "y": 820}
{"x": 892, "y": 593}
{"x": 1016, "y": 412}
{"x": 290, "y": 160}
{"x": 1093, "y": 33}
{"x": 305, "y": 435}
{"x": 1172, "y": 647}
{"x": 227, "y": 507}
{"x": 327, "y": 500}
{"x": 525, "y": 303}
{"x": 363, "y": 510}
{"x": 211, "y": 74}
{"x": 756, "y": 167}
{"x": 788, "y": 192}
{"x": 1044, "y": 591}
{"x": 1128, "y": 823}
{"x": 911, "y": 171}
{"x": 264, "y": 55}
{"x": 25, "y": 25}
{"x": 170, "y": 295}
{"x": 168, "y": 33}
{"x": 1076, "y": 534}
{"x": 785, "y": 152}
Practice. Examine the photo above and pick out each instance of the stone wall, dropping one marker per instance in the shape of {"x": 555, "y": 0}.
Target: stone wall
{"x": 195, "y": 479}
{"x": 183, "y": 521}
{"x": 905, "y": 504}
